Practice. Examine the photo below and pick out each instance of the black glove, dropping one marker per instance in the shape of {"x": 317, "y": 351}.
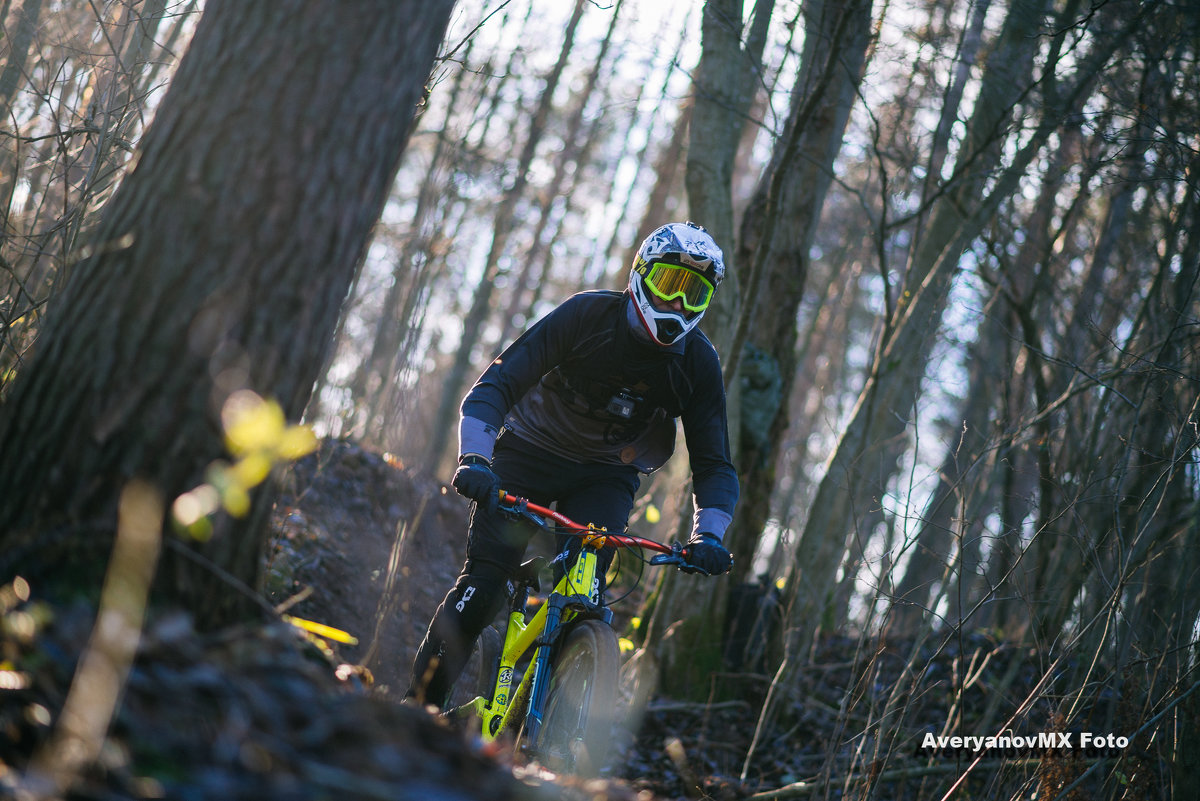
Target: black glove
{"x": 474, "y": 479}
{"x": 706, "y": 553}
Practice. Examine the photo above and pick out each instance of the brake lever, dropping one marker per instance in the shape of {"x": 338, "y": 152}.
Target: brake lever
{"x": 517, "y": 509}
{"x": 678, "y": 557}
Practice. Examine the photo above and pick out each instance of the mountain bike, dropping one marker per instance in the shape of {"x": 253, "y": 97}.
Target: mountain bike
{"x": 565, "y": 703}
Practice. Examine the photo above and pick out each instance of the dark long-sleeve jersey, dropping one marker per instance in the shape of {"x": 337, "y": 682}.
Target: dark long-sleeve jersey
{"x": 580, "y": 384}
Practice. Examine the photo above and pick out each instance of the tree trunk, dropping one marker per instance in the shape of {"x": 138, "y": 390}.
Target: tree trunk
{"x": 444, "y": 429}
{"x": 220, "y": 265}
{"x": 865, "y": 458}
{"x": 610, "y": 274}
{"x": 119, "y": 96}
{"x": 666, "y": 184}
{"x": 777, "y": 232}
{"x": 1011, "y": 308}
{"x": 18, "y": 44}
{"x": 724, "y": 85}
{"x": 937, "y": 548}
{"x": 375, "y": 378}
{"x": 570, "y": 162}
{"x": 726, "y": 79}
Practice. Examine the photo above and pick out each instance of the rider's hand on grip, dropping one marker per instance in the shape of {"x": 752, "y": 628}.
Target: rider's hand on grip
{"x": 474, "y": 479}
{"x": 707, "y": 555}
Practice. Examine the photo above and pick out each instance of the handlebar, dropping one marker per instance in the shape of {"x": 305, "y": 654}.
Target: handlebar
{"x": 674, "y": 554}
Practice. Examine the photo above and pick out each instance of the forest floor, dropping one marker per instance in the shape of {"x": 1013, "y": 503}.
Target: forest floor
{"x": 367, "y": 547}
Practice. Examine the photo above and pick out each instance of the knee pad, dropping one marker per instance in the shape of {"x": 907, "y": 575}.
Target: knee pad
{"x": 474, "y": 601}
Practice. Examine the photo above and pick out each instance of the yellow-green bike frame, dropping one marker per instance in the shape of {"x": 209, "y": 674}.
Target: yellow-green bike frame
{"x": 575, "y": 593}
{"x": 575, "y": 597}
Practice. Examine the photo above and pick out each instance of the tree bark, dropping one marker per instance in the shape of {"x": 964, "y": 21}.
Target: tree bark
{"x": 726, "y": 79}
{"x": 18, "y": 46}
{"x": 444, "y": 429}
{"x": 221, "y": 264}
{"x": 865, "y": 458}
{"x": 777, "y": 232}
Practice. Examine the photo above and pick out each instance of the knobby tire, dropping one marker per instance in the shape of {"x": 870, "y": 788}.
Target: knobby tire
{"x": 582, "y": 702}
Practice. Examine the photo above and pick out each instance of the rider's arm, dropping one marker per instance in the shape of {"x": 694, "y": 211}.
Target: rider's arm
{"x": 475, "y": 437}
{"x": 714, "y": 479}
{"x": 522, "y": 364}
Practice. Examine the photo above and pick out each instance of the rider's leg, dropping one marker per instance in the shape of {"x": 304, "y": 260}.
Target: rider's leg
{"x": 470, "y": 605}
{"x": 495, "y": 547}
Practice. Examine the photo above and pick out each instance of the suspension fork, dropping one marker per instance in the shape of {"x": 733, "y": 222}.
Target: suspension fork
{"x": 541, "y": 668}
{"x": 583, "y": 605}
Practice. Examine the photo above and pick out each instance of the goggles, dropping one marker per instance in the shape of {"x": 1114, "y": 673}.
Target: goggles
{"x": 669, "y": 281}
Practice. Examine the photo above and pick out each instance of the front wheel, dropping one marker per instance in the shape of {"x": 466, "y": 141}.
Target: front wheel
{"x": 582, "y": 702}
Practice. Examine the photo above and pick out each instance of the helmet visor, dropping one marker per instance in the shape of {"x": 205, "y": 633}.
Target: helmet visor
{"x": 669, "y": 281}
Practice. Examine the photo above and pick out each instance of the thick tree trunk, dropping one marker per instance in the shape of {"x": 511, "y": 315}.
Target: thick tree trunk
{"x": 777, "y": 232}
{"x": 726, "y": 79}
{"x": 220, "y": 265}
{"x": 725, "y": 82}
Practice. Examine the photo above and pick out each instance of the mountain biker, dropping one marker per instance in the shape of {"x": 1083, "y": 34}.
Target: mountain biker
{"x": 573, "y": 411}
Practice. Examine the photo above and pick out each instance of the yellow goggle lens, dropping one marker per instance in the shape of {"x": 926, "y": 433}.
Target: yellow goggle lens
{"x": 668, "y": 282}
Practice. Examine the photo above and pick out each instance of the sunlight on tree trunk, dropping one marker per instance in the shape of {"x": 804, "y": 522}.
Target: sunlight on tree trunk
{"x": 724, "y": 86}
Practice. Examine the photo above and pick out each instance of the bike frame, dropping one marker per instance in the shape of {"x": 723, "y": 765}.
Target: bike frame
{"x": 576, "y": 596}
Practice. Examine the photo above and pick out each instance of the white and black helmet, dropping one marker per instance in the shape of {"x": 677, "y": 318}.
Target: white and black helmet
{"x": 679, "y": 261}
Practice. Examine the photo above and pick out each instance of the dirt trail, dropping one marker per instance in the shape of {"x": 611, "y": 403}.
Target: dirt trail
{"x": 343, "y": 513}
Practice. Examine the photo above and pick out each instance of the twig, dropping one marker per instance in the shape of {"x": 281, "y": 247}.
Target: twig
{"x": 389, "y": 597}
{"x": 697, "y": 706}
{"x": 797, "y": 789}
{"x": 103, "y": 669}
{"x": 473, "y": 31}
{"x": 1063, "y": 793}
{"x": 691, "y": 783}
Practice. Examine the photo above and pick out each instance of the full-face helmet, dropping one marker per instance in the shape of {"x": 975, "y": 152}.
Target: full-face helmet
{"x": 674, "y": 275}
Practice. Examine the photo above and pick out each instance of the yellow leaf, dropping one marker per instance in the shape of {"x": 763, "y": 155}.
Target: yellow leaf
{"x": 297, "y": 441}
{"x": 250, "y": 470}
{"x": 652, "y": 514}
{"x": 235, "y": 500}
{"x": 251, "y": 423}
{"x": 321, "y": 630}
{"x": 625, "y": 644}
